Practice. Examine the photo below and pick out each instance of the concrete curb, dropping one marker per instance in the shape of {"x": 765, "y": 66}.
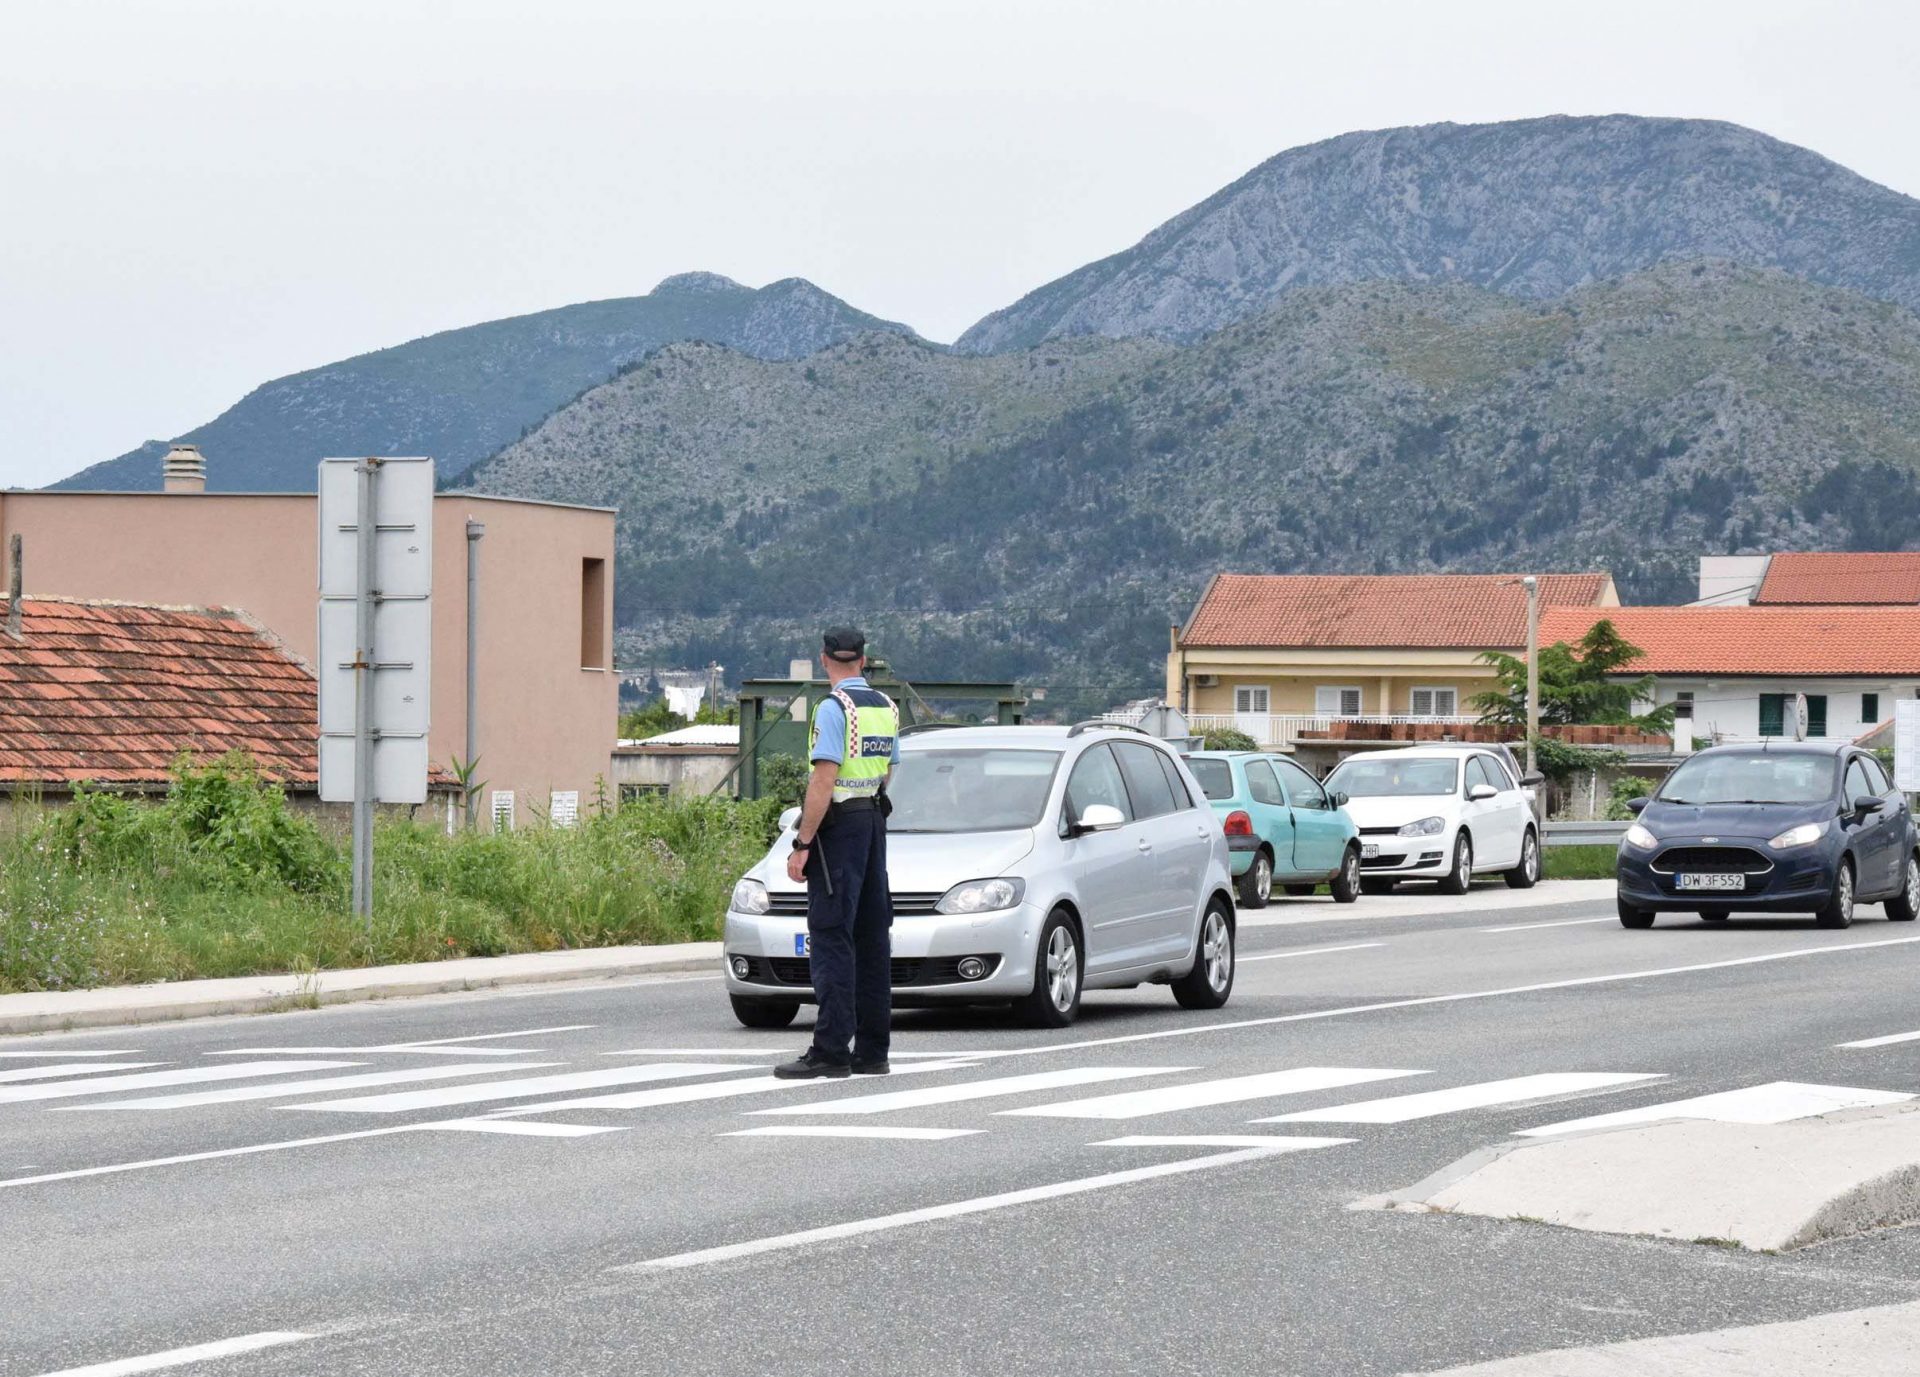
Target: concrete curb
{"x": 122, "y": 1005}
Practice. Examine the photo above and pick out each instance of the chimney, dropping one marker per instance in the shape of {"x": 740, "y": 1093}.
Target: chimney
{"x": 13, "y": 586}
{"x": 184, "y": 470}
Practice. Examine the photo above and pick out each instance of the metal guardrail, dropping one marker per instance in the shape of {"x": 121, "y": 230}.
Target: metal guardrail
{"x": 1585, "y": 833}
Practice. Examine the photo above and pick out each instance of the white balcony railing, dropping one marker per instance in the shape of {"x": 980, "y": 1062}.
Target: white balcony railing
{"x": 1281, "y": 729}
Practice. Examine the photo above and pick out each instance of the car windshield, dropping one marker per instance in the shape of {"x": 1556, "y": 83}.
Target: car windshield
{"x": 1361, "y": 778}
{"x": 1750, "y": 777}
{"x": 1215, "y": 776}
{"x": 970, "y": 790}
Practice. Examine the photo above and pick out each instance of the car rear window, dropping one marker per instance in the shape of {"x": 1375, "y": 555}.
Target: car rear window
{"x": 1215, "y": 776}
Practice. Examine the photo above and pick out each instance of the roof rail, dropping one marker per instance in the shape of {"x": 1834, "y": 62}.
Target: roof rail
{"x": 1095, "y": 723}
{"x": 930, "y": 727}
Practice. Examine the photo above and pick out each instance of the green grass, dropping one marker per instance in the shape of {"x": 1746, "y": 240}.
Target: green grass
{"x": 223, "y": 879}
{"x": 1578, "y": 862}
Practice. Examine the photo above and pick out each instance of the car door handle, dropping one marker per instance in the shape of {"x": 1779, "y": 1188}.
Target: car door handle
{"x": 1145, "y": 845}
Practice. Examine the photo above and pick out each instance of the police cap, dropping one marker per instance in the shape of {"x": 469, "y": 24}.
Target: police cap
{"x": 844, "y": 643}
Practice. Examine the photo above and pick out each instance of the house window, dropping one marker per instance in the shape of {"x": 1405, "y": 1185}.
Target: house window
{"x": 593, "y": 614}
{"x": 1816, "y": 715}
{"x": 1870, "y": 707}
{"x": 1683, "y": 705}
{"x": 1330, "y": 700}
{"x": 633, "y": 793}
{"x": 1433, "y": 702}
{"x": 1773, "y": 714}
{"x": 1251, "y": 698}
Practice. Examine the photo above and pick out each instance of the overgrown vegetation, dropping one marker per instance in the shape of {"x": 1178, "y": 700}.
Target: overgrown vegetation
{"x": 222, "y": 878}
{"x": 1577, "y": 862}
{"x": 1228, "y": 739}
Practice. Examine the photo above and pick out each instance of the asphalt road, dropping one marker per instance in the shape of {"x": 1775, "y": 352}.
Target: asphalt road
{"x": 560, "y": 1184}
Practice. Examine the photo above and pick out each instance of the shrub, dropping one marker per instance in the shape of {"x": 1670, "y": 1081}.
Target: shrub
{"x": 783, "y": 778}
{"x": 1228, "y": 739}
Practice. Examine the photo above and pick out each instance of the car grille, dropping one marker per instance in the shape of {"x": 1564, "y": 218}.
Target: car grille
{"x": 935, "y": 970}
{"x": 1712, "y": 860}
{"x": 1378, "y": 831}
{"x": 904, "y": 905}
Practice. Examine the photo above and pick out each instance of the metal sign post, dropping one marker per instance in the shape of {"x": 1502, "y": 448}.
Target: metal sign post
{"x": 366, "y": 475}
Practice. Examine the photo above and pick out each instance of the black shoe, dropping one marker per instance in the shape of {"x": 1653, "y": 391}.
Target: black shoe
{"x": 810, "y": 1065}
{"x": 872, "y": 1068}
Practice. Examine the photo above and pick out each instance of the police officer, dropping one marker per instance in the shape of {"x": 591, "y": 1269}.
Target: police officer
{"x": 840, "y": 850}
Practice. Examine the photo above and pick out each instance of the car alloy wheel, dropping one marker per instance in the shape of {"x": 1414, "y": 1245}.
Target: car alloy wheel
{"x": 1838, "y": 912}
{"x": 1063, "y": 968}
{"x": 1906, "y": 906}
{"x": 1216, "y": 949}
{"x": 1262, "y": 877}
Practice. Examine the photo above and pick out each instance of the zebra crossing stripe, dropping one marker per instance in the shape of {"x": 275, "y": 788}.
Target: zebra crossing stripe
{"x": 404, "y": 1100}
{"x": 923, "y": 1096}
{"x": 1274, "y": 1142}
{"x": 853, "y": 1131}
{"x": 84, "y": 1068}
{"x": 711, "y": 1090}
{"x": 143, "y": 1080}
{"x": 526, "y": 1128}
{"x": 234, "y": 1094}
{"x": 1776, "y": 1102}
{"x": 1398, "y": 1109}
{"x": 1134, "y": 1104}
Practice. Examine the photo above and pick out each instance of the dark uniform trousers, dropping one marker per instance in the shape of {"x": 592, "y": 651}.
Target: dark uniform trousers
{"x": 849, "y": 934}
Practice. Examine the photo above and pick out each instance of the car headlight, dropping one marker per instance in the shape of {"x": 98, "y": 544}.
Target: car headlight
{"x": 1640, "y": 839}
{"x": 1426, "y": 827}
{"x": 981, "y": 896}
{"x": 750, "y": 896}
{"x": 1803, "y": 835}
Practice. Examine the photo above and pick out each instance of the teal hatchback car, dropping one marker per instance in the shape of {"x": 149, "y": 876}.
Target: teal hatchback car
{"x": 1281, "y": 826}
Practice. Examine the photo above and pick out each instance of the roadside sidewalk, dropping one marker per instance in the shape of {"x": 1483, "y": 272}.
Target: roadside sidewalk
{"x": 125, "y": 1004}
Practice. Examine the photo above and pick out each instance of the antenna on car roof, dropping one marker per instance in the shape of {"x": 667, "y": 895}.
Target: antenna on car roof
{"x": 930, "y": 727}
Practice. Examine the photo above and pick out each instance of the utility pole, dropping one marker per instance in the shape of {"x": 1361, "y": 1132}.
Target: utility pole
{"x": 366, "y": 531}
{"x": 15, "y": 581}
{"x": 475, "y": 530}
{"x": 1532, "y": 585}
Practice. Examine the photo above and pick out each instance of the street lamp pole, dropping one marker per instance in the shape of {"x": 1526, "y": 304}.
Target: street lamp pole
{"x": 1532, "y": 585}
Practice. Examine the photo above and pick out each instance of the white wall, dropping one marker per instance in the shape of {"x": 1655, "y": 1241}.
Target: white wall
{"x": 1730, "y": 708}
{"x": 1731, "y": 580}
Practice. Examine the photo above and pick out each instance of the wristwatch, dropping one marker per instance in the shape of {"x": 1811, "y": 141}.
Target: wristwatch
{"x": 799, "y": 845}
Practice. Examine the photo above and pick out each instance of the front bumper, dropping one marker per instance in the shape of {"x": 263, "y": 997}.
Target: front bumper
{"x": 1406, "y": 857}
{"x": 1795, "y": 881}
{"x": 926, "y": 950}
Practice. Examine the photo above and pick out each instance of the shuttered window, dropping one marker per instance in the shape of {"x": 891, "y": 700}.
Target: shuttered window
{"x": 1773, "y": 714}
{"x": 1816, "y": 715}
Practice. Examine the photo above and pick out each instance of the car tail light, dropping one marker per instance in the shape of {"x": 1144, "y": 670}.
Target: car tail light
{"x": 1237, "y": 824}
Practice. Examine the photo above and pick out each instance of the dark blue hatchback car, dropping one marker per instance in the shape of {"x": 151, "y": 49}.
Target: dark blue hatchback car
{"x": 1788, "y": 828}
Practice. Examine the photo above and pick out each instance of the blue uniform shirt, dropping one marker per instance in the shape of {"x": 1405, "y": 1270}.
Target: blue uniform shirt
{"x": 830, "y": 727}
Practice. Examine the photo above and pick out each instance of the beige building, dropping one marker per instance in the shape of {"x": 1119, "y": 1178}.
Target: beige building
{"x": 1281, "y": 655}
{"x": 546, "y": 700}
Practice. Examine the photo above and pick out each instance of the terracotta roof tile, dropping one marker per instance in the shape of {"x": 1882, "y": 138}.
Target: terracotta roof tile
{"x": 1832, "y": 578}
{"x": 1477, "y": 611}
{"x": 1800, "y": 641}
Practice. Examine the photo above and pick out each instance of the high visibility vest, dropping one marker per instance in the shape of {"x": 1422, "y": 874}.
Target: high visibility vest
{"x": 872, "y": 725}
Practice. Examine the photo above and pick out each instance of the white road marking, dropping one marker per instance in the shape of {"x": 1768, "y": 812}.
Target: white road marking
{"x": 851, "y": 1131}
{"x": 761, "y": 1052}
{"x": 1134, "y": 1104}
{"x": 43, "y": 1073}
{"x": 233, "y": 1094}
{"x": 525, "y": 1127}
{"x": 1776, "y": 1102}
{"x": 383, "y": 1047}
{"x": 1398, "y": 1109}
{"x": 1886, "y": 1041}
{"x": 1562, "y": 923}
{"x": 180, "y": 1357}
{"x": 972, "y": 1090}
{"x": 1421, "y": 1001}
{"x": 713, "y": 1090}
{"x": 495, "y": 1037}
{"x": 856, "y": 1227}
{"x": 1261, "y": 1140}
{"x": 142, "y": 1080}
{"x": 1309, "y": 951}
{"x": 117, "y": 1167}
{"x": 401, "y": 1101}
{"x": 69, "y": 1052}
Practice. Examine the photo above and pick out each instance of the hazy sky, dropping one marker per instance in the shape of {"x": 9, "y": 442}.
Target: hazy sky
{"x": 200, "y": 195}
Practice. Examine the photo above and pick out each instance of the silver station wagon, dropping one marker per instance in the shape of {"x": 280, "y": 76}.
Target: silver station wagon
{"x": 1027, "y": 864}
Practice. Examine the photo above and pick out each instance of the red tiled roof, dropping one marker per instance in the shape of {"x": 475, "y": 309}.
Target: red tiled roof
{"x": 1799, "y": 641}
{"x": 1891, "y": 577}
{"x": 112, "y": 692}
{"x": 1475, "y": 611}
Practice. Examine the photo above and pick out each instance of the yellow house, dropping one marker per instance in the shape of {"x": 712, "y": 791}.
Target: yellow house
{"x": 1276, "y": 655}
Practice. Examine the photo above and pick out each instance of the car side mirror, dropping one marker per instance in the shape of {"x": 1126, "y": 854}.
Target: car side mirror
{"x": 1099, "y": 817}
{"x": 1637, "y": 806}
{"x": 1337, "y": 799}
{"x": 1481, "y": 792}
{"x": 1532, "y": 779}
{"x": 1868, "y": 803}
{"x": 789, "y": 819}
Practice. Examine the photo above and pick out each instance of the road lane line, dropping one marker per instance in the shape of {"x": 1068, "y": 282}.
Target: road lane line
{"x": 1562, "y": 923}
{"x": 1399, "y": 1109}
{"x": 879, "y": 1223}
{"x": 384, "y": 1047}
{"x": 1309, "y": 951}
{"x": 1420, "y": 1001}
{"x": 712, "y": 1090}
{"x": 1776, "y": 1102}
{"x": 142, "y": 1080}
{"x": 43, "y": 1073}
{"x": 495, "y": 1037}
{"x": 280, "y": 1089}
{"x": 401, "y": 1101}
{"x": 851, "y": 1131}
{"x": 180, "y": 1357}
{"x": 252, "y": 1148}
{"x": 529, "y": 1128}
{"x": 891, "y": 1100}
{"x": 1886, "y": 1041}
{"x": 1262, "y": 1140}
{"x": 1134, "y": 1104}
{"x": 758, "y": 1052}
{"x": 69, "y": 1052}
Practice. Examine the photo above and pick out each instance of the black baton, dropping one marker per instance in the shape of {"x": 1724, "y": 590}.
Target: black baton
{"x": 815, "y": 856}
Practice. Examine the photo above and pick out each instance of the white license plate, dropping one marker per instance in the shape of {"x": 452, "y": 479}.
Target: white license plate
{"x": 1369, "y": 850}
{"x": 802, "y": 946}
{"x": 1699, "y": 881}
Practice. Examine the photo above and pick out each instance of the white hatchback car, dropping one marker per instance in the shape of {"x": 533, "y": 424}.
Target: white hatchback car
{"x": 1438, "y": 813}
{"x": 1027, "y": 864}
